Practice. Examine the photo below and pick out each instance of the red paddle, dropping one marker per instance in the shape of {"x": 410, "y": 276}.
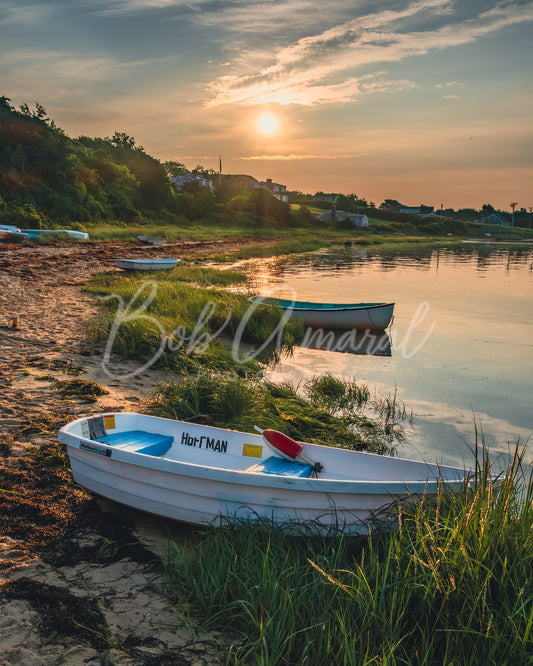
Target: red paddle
{"x": 285, "y": 446}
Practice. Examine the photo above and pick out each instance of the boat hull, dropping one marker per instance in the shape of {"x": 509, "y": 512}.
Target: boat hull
{"x": 206, "y": 478}
{"x": 360, "y": 316}
{"x": 146, "y": 264}
{"x": 59, "y": 233}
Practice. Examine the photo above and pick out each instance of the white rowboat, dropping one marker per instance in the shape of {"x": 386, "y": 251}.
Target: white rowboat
{"x": 146, "y": 264}
{"x": 65, "y": 233}
{"x": 206, "y": 475}
{"x": 376, "y": 316}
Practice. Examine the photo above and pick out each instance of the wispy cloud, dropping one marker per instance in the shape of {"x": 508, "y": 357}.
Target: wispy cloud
{"x": 303, "y": 157}
{"x": 300, "y": 91}
{"x": 313, "y": 69}
{"x": 16, "y": 14}
{"x": 133, "y": 6}
{"x": 451, "y": 84}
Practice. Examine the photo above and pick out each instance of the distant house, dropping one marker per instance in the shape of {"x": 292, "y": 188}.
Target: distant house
{"x": 179, "y": 182}
{"x": 325, "y": 196}
{"x": 358, "y": 220}
{"x": 243, "y": 181}
{"x": 418, "y": 210}
{"x": 278, "y": 191}
{"x": 496, "y": 218}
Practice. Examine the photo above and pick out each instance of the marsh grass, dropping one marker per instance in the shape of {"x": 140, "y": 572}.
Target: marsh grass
{"x": 196, "y": 325}
{"x": 379, "y": 420}
{"x": 452, "y": 585}
{"x": 236, "y": 402}
{"x": 172, "y": 232}
{"x": 290, "y": 246}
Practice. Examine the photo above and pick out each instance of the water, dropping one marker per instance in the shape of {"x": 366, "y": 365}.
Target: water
{"x": 461, "y": 339}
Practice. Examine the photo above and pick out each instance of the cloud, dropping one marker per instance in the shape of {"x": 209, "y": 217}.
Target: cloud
{"x": 313, "y": 69}
{"x": 451, "y": 84}
{"x": 133, "y": 6}
{"x": 298, "y": 91}
{"x": 303, "y": 157}
{"x": 13, "y": 14}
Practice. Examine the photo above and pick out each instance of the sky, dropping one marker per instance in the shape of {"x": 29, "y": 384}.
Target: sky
{"x": 426, "y": 101}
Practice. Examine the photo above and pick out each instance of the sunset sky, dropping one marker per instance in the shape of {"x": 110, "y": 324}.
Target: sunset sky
{"x": 429, "y": 101}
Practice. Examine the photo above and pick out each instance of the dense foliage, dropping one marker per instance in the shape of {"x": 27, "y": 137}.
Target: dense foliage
{"x": 48, "y": 178}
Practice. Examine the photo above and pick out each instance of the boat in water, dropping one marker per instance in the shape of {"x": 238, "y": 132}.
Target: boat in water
{"x": 208, "y": 476}
{"x": 362, "y": 316}
{"x": 146, "y": 264}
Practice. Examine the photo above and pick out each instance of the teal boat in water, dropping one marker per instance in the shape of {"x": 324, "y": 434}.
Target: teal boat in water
{"x": 362, "y": 316}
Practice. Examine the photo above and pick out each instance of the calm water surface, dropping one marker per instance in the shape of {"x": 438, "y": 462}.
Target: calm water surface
{"x": 461, "y": 339}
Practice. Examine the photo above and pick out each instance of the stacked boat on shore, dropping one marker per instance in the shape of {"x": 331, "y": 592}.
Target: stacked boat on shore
{"x": 10, "y": 232}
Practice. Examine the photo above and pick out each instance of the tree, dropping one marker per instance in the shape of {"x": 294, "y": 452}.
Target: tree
{"x": 201, "y": 171}
{"x": 174, "y": 169}
{"x": 486, "y": 210}
{"x": 122, "y": 139}
{"x": 4, "y": 103}
{"x": 296, "y": 196}
{"x": 39, "y": 113}
{"x": 391, "y": 204}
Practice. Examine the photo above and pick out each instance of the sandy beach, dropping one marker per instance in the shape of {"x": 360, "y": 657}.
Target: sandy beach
{"x": 76, "y": 585}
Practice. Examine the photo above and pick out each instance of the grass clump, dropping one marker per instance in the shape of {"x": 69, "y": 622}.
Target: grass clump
{"x": 79, "y": 388}
{"x": 451, "y": 585}
{"x": 240, "y": 403}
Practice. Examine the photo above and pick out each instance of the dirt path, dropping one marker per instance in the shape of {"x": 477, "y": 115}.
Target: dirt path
{"x": 76, "y": 585}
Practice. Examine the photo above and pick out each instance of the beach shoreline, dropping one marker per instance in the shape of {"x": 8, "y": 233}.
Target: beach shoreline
{"x": 44, "y": 516}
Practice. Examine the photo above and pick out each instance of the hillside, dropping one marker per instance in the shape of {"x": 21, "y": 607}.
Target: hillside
{"x": 48, "y": 178}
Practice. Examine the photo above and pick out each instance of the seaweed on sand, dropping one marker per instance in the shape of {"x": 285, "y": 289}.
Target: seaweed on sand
{"x": 61, "y": 612}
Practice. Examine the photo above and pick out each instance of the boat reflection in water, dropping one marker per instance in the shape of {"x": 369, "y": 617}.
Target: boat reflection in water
{"x": 368, "y": 342}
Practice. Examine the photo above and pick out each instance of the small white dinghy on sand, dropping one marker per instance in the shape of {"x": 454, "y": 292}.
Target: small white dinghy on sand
{"x": 146, "y": 264}
{"x": 206, "y": 475}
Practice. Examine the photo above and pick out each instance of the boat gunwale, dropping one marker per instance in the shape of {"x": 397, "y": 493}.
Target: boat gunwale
{"x": 148, "y": 261}
{"x": 310, "y": 484}
{"x": 327, "y": 307}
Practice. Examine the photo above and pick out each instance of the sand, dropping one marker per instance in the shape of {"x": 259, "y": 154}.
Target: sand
{"x": 68, "y": 594}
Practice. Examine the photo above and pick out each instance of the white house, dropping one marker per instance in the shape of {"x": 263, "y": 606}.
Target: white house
{"x": 496, "y": 218}
{"x": 277, "y": 190}
{"x": 418, "y": 210}
{"x": 179, "y": 182}
{"x": 357, "y": 219}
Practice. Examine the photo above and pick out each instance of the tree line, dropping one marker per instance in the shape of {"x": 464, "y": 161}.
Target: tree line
{"x": 48, "y": 179}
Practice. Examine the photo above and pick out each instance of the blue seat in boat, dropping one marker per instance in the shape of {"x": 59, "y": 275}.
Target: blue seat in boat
{"x": 282, "y": 467}
{"x": 140, "y": 441}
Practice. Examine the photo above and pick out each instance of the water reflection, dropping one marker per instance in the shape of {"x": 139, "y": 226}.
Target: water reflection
{"x": 476, "y": 364}
{"x": 368, "y": 343}
{"x": 483, "y": 257}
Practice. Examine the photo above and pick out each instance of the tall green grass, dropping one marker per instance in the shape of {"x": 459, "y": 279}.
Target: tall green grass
{"x": 292, "y": 246}
{"x": 170, "y": 232}
{"x": 196, "y": 325}
{"x": 231, "y": 401}
{"x": 452, "y": 585}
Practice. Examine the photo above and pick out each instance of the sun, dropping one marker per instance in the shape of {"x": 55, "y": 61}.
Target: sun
{"x": 268, "y": 123}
